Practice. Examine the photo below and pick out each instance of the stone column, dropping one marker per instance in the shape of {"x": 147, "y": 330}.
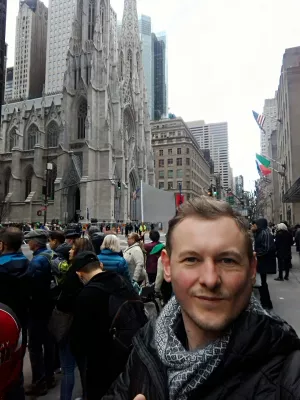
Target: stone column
{"x": 17, "y": 176}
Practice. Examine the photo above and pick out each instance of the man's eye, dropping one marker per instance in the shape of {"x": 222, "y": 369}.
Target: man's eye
{"x": 228, "y": 261}
{"x": 191, "y": 260}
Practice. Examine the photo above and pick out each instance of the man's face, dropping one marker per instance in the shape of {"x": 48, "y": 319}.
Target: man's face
{"x": 32, "y": 245}
{"x": 211, "y": 274}
{"x": 53, "y": 243}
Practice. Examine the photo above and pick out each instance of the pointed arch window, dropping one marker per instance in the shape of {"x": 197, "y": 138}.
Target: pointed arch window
{"x": 28, "y": 181}
{"x": 32, "y": 137}
{"x": 130, "y": 63}
{"x": 13, "y": 140}
{"x": 53, "y": 134}
{"x": 7, "y": 177}
{"x": 102, "y": 18}
{"x": 52, "y": 174}
{"x": 82, "y": 114}
{"x": 92, "y": 19}
{"x": 121, "y": 65}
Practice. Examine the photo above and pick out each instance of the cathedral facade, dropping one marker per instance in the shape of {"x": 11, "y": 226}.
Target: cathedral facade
{"x": 94, "y": 139}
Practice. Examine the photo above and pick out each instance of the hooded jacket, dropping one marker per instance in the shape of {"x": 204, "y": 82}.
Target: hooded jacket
{"x": 63, "y": 251}
{"x": 284, "y": 242}
{"x": 15, "y": 284}
{"x": 265, "y": 248}
{"x": 261, "y": 362}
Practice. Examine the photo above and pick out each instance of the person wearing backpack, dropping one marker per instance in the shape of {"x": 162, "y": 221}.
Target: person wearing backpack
{"x": 41, "y": 345}
{"x": 107, "y": 306}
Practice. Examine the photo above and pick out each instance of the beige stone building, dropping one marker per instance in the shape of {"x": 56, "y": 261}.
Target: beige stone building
{"x": 288, "y": 138}
{"x": 179, "y": 161}
{"x": 30, "y": 50}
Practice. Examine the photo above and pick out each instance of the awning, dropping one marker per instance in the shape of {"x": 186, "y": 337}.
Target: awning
{"x": 293, "y": 194}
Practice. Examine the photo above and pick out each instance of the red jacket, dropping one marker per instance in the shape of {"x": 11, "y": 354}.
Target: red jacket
{"x": 151, "y": 264}
{"x": 11, "y": 350}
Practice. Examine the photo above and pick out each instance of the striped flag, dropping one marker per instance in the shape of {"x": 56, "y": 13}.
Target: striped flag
{"x": 260, "y": 120}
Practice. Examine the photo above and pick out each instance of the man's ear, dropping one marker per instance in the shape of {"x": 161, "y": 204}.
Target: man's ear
{"x": 165, "y": 259}
{"x": 253, "y": 266}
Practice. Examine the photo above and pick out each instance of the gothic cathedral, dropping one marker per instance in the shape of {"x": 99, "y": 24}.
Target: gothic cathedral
{"x": 94, "y": 137}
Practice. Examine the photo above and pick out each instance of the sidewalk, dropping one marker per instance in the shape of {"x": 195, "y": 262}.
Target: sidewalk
{"x": 286, "y": 295}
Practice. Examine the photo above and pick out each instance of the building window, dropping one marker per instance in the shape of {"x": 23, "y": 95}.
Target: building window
{"x": 7, "y": 177}
{"x": 161, "y": 163}
{"x": 82, "y": 114}
{"x": 161, "y": 174}
{"x": 169, "y": 152}
{"x": 187, "y": 161}
{"x": 170, "y": 185}
{"x": 52, "y": 134}
{"x": 170, "y": 173}
{"x": 32, "y": 137}
{"x": 187, "y": 150}
{"x": 179, "y": 162}
{"x": 170, "y": 161}
{"x": 13, "y": 138}
{"x": 179, "y": 151}
{"x": 188, "y": 185}
{"x": 92, "y": 19}
{"x": 161, "y": 185}
{"x": 179, "y": 173}
{"x": 28, "y": 181}
{"x": 161, "y": 153}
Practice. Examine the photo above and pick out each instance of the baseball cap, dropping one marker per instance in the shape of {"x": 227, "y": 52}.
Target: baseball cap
{"x": 83, "y": 259}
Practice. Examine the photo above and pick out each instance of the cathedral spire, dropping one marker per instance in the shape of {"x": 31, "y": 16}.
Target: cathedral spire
{"x": 130, "y": 24}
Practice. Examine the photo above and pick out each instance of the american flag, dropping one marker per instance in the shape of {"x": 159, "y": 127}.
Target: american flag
{"x": 135, "y": 193}
{"x": 260, "y": 120}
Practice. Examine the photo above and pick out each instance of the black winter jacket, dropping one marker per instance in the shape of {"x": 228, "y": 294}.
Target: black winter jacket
{"x": 265, "y": 248}
{"x": 262, "y": 362}
{"x": 284, "y": 242}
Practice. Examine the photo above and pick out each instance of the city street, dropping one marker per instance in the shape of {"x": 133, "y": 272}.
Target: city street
{"x": 285, "y": 296}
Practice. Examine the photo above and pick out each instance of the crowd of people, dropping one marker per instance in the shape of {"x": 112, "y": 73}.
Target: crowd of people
{"x": 61, "y": 299}
{"x": 82, "y": 299}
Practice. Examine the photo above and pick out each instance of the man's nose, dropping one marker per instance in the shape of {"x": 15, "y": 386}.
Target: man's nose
{"x": 209, "y": 276}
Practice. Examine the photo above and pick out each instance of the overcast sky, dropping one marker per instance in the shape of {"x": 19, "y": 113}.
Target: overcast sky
{"x": 224, "y": 60}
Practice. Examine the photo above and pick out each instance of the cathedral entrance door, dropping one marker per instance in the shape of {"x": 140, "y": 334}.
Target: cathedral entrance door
{"x": 74, "y": 204}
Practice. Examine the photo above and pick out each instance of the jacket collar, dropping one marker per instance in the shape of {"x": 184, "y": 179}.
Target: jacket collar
{"x": 40, "y": 250}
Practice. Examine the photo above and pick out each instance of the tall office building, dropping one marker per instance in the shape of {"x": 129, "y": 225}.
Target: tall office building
{"x": 8, "y": 95}
{"x": 270, "y": 112}
{"x": 30, "y": 52}
{"x": 2, "y": 49}
{"x": 61, "y": 16}
{"x": 160, "y": 75}
{"x": 214, "y": 137}
{"x": 146, "y": 39}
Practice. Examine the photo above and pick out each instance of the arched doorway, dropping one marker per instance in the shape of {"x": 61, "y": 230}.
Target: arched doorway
{"x": 73, "y": 204}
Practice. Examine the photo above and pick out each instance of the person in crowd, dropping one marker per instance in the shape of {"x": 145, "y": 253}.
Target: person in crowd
{"x": 297, "y": 238}
{"x": 71, "y": 235}
{"x": 136, "y": 227}
{"x": 142, "y": 231}
{"x": 284, "y": 242}
{"x": 96, "y": 237}
{"x": 58, "y": 244}
{"x": 153, "y": 251}
{"x": 15, "y": 288}
{"x": 41, "y": 345}
{"x": 70, "y": 289}
{"x": 110, "y": 256}
{"x": 213, "y": 340}
{"x": 11, "y": 355}
{"x": 135, "y": 259}
{"x": 92, "y": 317}
{"x": 265, "y": 250}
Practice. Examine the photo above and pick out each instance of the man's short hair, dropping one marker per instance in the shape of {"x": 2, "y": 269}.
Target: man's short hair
{"x": 209, "y": 209}
{"x": 57, "y": 235}
{"x": 154, "y": 236}
{"x": 12, "y": 238}
{"x": 93, "y": 229}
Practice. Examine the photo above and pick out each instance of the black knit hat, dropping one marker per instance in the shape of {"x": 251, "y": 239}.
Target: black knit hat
{"x": 83, "y": 259}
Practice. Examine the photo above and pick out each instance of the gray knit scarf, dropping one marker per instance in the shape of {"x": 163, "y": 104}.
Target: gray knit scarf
{"x": 189, "y": 369}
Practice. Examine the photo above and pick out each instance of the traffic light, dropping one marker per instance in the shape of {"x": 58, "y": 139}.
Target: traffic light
{"x": 119, "y": 185}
